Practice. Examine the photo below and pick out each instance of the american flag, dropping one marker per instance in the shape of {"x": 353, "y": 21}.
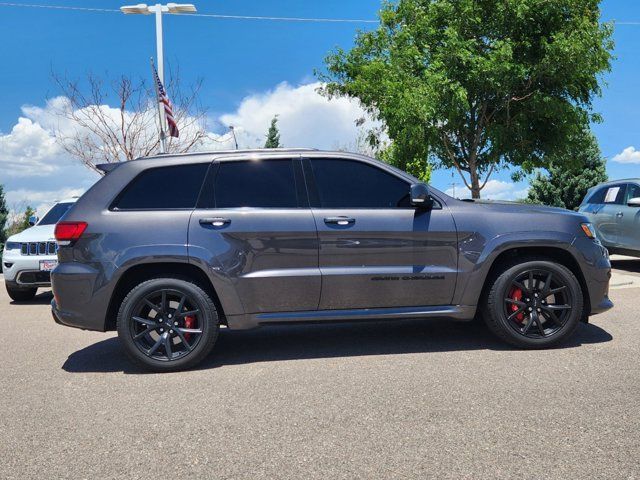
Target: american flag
{"x": 168, "y": 111}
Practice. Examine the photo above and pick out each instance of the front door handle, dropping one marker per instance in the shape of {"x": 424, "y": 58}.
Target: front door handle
{"x": 342, "y": 221}
{"x": 215, "y": 221}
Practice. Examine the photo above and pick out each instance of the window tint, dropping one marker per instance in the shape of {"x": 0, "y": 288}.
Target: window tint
{"x": 55, "y": 213}
{"x": 614, "y": 194}
{"x": 633, "y": 191}
{"x": 261, "y": 183}
{"x": 164, "y": 188}
{"x": 597, "y": 197}
{"x": 610, "y": 194}
{"x": 353, "y": 184}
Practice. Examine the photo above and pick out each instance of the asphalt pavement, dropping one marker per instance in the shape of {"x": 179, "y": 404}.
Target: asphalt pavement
{"x": 408, "y": 399}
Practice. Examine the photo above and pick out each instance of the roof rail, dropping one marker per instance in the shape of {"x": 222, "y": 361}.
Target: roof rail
{"x": 231, "y": 152}
{"x": 109, "y": 167}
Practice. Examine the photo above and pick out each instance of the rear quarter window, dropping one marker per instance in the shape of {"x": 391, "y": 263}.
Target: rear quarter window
{"x": 163, "y": 188}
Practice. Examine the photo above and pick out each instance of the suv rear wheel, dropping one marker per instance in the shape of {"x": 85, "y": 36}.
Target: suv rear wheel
{"x": 21, "y": 294}
{"x": 168, "y": 324}
{"x": 534, "y": 304}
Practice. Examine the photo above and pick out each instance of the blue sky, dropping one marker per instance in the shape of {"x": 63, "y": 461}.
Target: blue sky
{"x": 243, "y": 64}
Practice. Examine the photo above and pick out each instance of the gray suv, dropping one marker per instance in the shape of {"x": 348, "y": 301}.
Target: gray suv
{"x": 614, "y": 210}
{"x": 169, "y": 248}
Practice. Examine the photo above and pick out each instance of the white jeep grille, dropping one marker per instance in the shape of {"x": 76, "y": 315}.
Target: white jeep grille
{"x": 39, "y": 248}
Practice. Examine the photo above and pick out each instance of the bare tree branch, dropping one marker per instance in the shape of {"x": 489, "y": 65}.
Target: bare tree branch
{"x": 92, "y": 131}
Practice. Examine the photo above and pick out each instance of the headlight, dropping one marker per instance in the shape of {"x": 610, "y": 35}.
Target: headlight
{"x": 588, "y": 230}
{"x": 12, "y": 246}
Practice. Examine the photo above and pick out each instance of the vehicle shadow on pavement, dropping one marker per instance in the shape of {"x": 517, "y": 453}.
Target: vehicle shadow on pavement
{"x": 630, "y": 265}
{"x": 326, "y": 341}
{"x": 43, "y": 298}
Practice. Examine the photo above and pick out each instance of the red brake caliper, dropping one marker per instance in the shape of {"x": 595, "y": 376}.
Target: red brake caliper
{"x": 516, "y": 294}
{"x": 189, "y": 322}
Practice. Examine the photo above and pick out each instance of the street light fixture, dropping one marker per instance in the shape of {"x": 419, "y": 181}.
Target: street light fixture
{"x": 181, "y": 8}
{"x": 158, "y": 9}
{"x": 141, "y": 8}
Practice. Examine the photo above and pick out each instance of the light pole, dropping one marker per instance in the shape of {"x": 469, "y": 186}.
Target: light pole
{"x": 159, "y": 9}
{"x": 233, "y": 132}
{"x": 453, "y": 184}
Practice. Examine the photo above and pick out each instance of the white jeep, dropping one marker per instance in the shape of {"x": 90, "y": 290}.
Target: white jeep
{"x": 29, "y": 256}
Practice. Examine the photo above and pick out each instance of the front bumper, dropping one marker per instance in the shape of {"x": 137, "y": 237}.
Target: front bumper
{"x": 596, "y": 269}
{"x": 24, "y": 270}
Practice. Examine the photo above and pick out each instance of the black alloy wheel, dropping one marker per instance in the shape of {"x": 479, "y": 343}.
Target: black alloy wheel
{"x": 168, "y": 324}
{"x": 538, "y": 304}
{"x": 533, "y": 303}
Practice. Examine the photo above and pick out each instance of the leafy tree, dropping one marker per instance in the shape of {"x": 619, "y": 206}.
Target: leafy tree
{"x": 4, "y": 215}
{"x": 393, "y": 156}
{"x": 22, "y": 223}
{"x": 372, "y": 144}
{"x": 273, "y": 135}
{"x": 478, "y": 85}
{"x": 566, "y": 183}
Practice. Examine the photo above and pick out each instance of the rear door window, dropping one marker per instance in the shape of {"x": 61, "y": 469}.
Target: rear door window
{"x": 614, "y": 194}
{"x": 163, "y": 188}
{"x": 256, "y": 183}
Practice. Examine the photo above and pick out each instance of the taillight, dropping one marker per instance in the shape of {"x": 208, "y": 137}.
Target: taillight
{"x": 66, "y": 232}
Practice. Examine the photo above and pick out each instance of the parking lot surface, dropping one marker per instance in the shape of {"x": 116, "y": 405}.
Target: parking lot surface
{"x": 409, "y": 399}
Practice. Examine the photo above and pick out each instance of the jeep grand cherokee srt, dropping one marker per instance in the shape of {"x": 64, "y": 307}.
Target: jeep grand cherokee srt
{"x": 167, "y": 249}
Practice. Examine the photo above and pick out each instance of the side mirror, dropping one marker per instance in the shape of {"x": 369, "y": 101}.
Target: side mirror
{"x": 634, "y": 202}
{"x": 419, "y": 196}
{"x": 33, "y": 219}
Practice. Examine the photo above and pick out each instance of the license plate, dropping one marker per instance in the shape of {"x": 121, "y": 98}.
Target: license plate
{"x": 48, "y": 265}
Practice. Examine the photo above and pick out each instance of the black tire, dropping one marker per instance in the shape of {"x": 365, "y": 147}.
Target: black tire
{"x": 207, "y": 318}
{"x": 554, "y": 324}
{"x": 21, "y": 294}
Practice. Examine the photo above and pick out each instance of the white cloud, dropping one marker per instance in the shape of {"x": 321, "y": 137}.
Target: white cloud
{"x": 40, "y": 200}
{"x": 35, "y": 170}
{"x": 628, "y": 155}
{"x": 305, "y": 118}
{"x": 494, "y": 190}
{"x": 28, "y": 150}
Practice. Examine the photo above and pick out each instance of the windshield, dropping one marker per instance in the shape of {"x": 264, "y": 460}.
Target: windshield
{"x": 55, "y": 213}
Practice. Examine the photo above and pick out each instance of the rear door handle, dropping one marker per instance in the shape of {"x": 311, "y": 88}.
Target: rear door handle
{"x": 342, "y": 221}
{"x": 619, "y": 214}
{"x": 215, "y": 221}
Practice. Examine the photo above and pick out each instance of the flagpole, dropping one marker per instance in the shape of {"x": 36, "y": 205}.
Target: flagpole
{"x": 163, "y": 147}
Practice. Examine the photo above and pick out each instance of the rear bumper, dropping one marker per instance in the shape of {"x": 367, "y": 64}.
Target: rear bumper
{"x": 78, "y": 299}
{"x": 69, "y": 319}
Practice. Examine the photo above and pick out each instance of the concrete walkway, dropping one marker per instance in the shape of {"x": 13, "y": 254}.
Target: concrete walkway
{"x": 625, "y": 272}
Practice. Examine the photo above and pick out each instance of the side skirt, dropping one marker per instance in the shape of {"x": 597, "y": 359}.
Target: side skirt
{"x": 453, "y": 312}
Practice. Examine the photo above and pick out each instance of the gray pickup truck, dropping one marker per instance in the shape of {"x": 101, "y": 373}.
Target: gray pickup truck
{"x": 167, "y": 249}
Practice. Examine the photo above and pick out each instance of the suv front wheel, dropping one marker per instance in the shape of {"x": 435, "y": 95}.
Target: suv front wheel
{"x": 534, "y": 304}
{"x": 168, "y": 324}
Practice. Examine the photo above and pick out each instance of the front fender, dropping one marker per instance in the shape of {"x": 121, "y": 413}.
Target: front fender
{"x": 477, "y": 255}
